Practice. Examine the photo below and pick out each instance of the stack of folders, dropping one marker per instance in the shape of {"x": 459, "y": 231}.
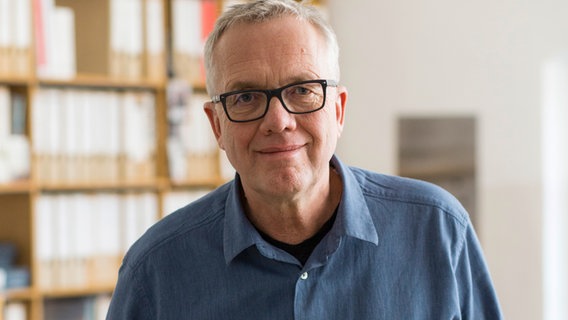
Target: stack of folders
{"x": 15, "y": 37}
{"x": 88, "y": 136}
{"x": 154, "y": 40}
{"x": 14, "y": 144}
{"x": 81, "y": 238}
{"x": 192, "y": 21}
{"x": 55, "y": 40}
{"x": 137, "y": 36}
{"x": 126, "y": 38}
{"x": 119, "y": 38}
{"x": 192, "y": 148}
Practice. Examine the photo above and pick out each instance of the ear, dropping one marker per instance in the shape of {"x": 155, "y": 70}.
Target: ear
{"x": 213, "y": 116}
{"x": 340, "y": 102}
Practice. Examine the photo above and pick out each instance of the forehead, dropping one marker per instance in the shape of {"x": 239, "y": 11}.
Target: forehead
{"x": 270, "y": 53}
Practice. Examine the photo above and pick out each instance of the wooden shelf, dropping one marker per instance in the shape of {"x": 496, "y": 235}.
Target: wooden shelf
{"x": 75, "y": 292}
{"x": 17, "y": 80}
{"x": 67, "y": 187}
{"x": 24, "y": 187}
{"x": 20, "y": 294}
{"x": 104, "y": 82}
{"x": 16, "y": 187}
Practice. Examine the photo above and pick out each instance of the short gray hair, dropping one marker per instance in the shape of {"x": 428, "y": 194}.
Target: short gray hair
{"x": 266, "y": 10}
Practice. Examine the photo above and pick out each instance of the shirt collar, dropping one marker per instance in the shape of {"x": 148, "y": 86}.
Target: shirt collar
{"x": 353, "y": 216}
{"x": 238, "y": 233}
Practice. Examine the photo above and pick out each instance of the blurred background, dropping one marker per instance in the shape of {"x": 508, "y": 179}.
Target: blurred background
{"x": 498, "y": 68}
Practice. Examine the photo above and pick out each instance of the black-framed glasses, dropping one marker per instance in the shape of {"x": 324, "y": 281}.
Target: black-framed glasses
{"x": 297, "y": 98}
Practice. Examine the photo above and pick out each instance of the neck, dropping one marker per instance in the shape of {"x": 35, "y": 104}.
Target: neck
{"x": 293, "y": 220}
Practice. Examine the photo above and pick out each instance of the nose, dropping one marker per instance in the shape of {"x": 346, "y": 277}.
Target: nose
{"x": 277, "y": 119}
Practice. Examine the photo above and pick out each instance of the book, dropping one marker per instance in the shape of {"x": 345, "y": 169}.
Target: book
{"x": 14, "y": 37}
{"x": 138, "y": 136}
{"x": 11, "y": 275}
{"x": 81, "y": 237}
{"x": 5, "y": 35}
{"x": 139, "y": 212}
{"x": 15, "y": 310}
{"x": 5, "y": 113}
{"x": 126, "y": 39}
{"x": 14, "y": 144}
{"x": 7, "y": 255}
{"x": 192, "y": 147}
{"x": 192, "y": 21}
{"x": 128, "y": 43}
{"x": 55, "y": 40}
{"x": 94, "y": 136}
{"x": 22, "y": 37}
{"x": 154, "y": 26}
{"x": 61, "y": 63}
{"x": 17, "y": 277}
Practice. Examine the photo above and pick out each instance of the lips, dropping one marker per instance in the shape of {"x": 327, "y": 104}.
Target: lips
{"x": 279, "y": 149}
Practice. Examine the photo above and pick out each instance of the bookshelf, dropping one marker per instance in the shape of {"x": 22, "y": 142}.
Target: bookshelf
{"x": 91, "y": 82}
{"x": 100, "y": 136}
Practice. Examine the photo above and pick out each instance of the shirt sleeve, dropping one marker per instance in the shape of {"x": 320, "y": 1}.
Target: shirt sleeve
{"x": 477, "y": 295}
{"x": 129, "y": 299}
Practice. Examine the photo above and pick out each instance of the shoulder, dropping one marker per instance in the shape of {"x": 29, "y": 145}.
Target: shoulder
{"x": 401, "y": 192}
{"x": 183, "y": 223}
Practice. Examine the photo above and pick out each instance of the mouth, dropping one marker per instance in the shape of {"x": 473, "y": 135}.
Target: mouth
{"x": 275, "y": 150}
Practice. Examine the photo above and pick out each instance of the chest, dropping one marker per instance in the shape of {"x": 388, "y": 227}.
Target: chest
{"x": 354, "y": 282}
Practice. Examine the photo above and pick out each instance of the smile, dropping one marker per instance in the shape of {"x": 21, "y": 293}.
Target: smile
{"x": 280, "y": 149}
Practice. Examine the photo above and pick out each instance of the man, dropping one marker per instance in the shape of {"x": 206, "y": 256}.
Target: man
{"x": 298, "y": 234}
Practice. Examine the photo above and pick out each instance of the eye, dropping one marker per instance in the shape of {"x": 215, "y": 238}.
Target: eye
{"x": 243, "y": 99}
{"x": 302, "y": 90}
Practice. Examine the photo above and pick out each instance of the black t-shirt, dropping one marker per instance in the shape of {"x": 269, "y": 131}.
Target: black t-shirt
{"x": 303, "y": 250}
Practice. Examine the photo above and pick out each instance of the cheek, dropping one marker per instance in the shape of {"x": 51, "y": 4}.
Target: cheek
{"x": 322, "y": 129}
{"x": 235, "y": 138}
{"x": 331, "y": 131}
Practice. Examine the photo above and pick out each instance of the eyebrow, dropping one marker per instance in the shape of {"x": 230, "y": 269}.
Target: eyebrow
{"x": 249, "y": 85}
{"x": 243, "y": 85}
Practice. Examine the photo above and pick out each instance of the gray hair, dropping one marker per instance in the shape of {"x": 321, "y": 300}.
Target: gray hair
{"x": 266, "y": 10}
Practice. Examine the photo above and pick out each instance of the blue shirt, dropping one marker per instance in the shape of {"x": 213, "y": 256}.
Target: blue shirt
{"x": 399, "y": 249}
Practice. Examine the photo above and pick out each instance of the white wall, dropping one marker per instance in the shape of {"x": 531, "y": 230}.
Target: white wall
{"x": 483, "y": 58}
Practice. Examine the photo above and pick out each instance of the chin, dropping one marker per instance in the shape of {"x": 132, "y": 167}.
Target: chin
{"x": 286, "y": 182}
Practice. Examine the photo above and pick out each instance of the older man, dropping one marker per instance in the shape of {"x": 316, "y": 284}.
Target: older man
{"x": 298, "y": 234}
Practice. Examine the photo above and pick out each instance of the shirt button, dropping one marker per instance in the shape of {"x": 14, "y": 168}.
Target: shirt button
{"x": 304, "y": 276}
